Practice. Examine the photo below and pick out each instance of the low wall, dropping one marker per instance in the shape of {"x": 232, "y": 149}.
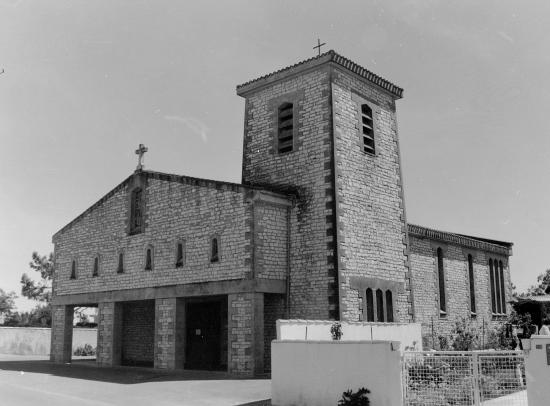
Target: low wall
{"x": 36, "y": 341}
{"x": 316, "y": 373}
{"x": 409, "y": 334}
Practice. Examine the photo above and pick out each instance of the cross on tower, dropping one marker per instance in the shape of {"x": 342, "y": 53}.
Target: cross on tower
{"x": 142, "y": 149}
{"x": 319, "y": 45}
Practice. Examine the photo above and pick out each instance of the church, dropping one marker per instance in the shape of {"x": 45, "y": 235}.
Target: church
{"x": 193, "y": 273}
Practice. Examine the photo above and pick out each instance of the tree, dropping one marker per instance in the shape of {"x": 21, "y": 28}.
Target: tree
{"x": 542, "y": 287}
{"x": 6, "y": 302}
{"x": 39, "y": 291}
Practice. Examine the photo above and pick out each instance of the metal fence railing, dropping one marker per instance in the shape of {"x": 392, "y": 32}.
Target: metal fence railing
{"x": 436, "y": 378}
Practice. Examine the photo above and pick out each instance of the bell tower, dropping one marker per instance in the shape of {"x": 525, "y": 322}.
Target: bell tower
{"x": 325, "y": 131}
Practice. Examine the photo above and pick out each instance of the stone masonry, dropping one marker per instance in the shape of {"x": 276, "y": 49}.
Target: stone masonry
{"x": 310, "y": 233}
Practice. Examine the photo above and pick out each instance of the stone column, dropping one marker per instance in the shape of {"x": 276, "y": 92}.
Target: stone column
{"x": 62, "y": 334}
{"x": 246, "y": 333}
{"x": 169, "y": 333}
{"x": 109, "y": 334}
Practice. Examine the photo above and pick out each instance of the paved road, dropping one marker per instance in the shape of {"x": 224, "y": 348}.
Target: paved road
{"x": 35, "y": 381}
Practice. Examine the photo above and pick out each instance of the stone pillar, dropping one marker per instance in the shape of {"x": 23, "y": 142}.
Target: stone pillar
{"x": 109, "y": 334}
{"x": 169, "y": 333}
{"x": 246, "y": 338}
{"x": 62, "y": 334}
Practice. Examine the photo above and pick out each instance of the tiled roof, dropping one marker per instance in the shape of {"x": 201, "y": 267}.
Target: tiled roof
{"x": 538, "y": 299}
{"x": 331, "y": 56}
{"x": 500, "y": 247}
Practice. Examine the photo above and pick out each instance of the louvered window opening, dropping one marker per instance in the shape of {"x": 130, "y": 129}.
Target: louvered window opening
{"x": 367, "y": 127}
{"x": 285, "y": 128}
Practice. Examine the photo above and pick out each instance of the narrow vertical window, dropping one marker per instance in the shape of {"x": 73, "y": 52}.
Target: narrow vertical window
{"x": 73, "y": 269}
{"x": 179, "y": 255}
{"x": 502, "y": 289}
{"x": 370, "y": 305}
{"x": 120, "y": 267}
{"x": 149, "y": 259}
{"x": 472, "y": 286}
{"x": 379, "y": 305}
{"x": 285, "y": 121}
{"x": 389, "y": 306}
{"x": 96, "y": 266}
{"x": 441, "y": 278}
{"x": 492, "y": 281}
{"x": 497, "y": 287}
{"x": 214, "y": 250}
{"x": 367, "y": 129}
{"x": 136, "y": 211}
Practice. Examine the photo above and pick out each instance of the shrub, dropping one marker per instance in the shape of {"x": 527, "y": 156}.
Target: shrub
{"x": 85, "y": 350}
{"x": 359, "y": 398}
{"x": 336, "y": 331}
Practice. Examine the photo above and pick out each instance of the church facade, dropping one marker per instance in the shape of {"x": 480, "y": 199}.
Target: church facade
{"x": 192, "y": 273}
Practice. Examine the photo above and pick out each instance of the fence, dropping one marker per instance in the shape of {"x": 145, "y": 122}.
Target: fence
{"x": 494, "y": 378}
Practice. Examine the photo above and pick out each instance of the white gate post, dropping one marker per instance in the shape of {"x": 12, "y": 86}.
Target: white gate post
{"x": 476, "y": 384}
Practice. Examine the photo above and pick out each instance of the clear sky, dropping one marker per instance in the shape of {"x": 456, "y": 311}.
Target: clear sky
{"x": 86, "y": 81}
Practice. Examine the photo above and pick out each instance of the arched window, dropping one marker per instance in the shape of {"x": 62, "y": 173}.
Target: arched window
{"x": 149, "y": 259}
{"x": 367, "y": 129}
{"x": 136, "y": 211}
{"x": 441, "y": 278}
{"x": 379, "y": 305}
{"x": 370, "y": 305}
{"x": 497, "y": 287}
{"x": 472, "y": 286}
{"x": 389, "y": 306}
{"x": 492, "y": 281}
{"x": 96, "y": 266}
{"x": 214, "y": 250}
{"x": 179, "y": 254}
{"x": 73, "y": 269}
{"x": 502, "y": 289}
{"x": 285, "y": 122}
{"x": 120, "y": 267}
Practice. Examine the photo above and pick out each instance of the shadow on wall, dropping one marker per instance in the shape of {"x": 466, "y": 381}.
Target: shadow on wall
{"x": 122, "y": 375}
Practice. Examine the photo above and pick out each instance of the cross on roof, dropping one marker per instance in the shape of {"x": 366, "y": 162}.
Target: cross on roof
{"x": 142, "y": 149}
{"x": 319, "y": 45}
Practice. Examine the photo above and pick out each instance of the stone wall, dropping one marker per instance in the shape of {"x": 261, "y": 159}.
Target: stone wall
{"x": 370, "y": 206}
{"x": 306, "y": 172}
{"x": 182, "y": 210}
{"x": 423, "y": 259}
{"x": 138, "y": 333}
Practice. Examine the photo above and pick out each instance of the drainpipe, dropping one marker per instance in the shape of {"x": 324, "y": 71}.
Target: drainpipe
{"x": 288, "y": 246}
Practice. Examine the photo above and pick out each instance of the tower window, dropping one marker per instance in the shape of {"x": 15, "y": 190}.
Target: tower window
{"x": 379, "y": 305}
{"x": 472, "y": 286}
{"x": 441, "y": 280}
{"x": 285, "y": 124}
{"x": 180, "y": 259}
{"x": 73, "y": 269}
{"x": 214, "y": 250}
{"x": 96, "y": 266}
{"x": 370, "y": 305}
{"x": 389, "y": 306}
{"x": 136, "y": 211}
{"x": 120, "y": 267}
{"x": 367, "y": 129}
{"x": 149, "y": 259}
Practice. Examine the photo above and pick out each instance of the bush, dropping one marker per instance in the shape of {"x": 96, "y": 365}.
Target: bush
{"x": 359, "y": 398}
{"x": 85, "y": 350}
{"x": 336, "y": 331}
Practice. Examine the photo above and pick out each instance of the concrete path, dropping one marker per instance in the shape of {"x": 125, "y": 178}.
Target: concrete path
{"x": 35, "y": 381}
{"x": 514, "y": 399}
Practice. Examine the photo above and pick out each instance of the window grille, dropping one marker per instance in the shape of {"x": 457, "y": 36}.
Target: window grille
{"x": 367, "y": 129}
{"x": 285, "y": 138}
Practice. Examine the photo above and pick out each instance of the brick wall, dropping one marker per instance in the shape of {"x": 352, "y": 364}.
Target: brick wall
{"x": 306, "y": 171}
{"x": 371, "y": 222}
{"x": 138, "y": 333}
{"x": 426, "y": 289}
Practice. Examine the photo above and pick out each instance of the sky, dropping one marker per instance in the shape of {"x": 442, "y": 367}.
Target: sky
{"x": 85, "y": 82}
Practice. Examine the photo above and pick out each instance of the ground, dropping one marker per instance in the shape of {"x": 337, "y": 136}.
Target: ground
{"x": 26, "y": 380}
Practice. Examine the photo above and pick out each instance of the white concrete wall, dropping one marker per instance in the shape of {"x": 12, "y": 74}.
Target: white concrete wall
{"x": 537, "y": 371}
{"x": 409, "y": 334}
{"x": 316, "y": 373}
{"x": 36, "y": 341}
